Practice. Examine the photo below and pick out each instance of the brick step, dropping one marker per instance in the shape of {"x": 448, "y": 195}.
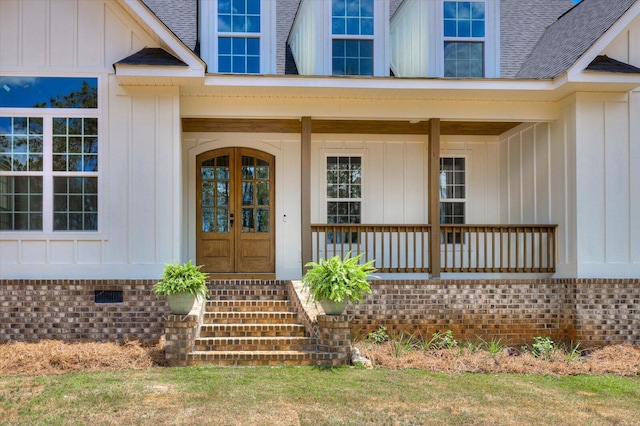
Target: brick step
{"x": 256, "y": 344}
{"x": 252, "y": 330}
{"x": 250, "y": 318}
{"x": 258, "y": 358}
{"x": 249, "y": 306}
{"x": 247, "y": 292}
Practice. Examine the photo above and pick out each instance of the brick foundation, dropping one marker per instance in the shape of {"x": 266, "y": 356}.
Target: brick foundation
{"x": 594, "y": 311}
{"x": 32, "y": 310}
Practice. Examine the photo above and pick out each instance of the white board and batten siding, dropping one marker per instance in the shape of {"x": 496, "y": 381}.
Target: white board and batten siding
{"x": 139, "y": 157}
{"x": 608, "y": 188}
{"x": 581, "y": 172}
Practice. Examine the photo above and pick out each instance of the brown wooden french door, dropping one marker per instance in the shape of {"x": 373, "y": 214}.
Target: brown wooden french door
{"x": 235, "y": 211}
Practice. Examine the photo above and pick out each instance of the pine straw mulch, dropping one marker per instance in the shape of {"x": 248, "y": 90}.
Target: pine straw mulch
{"x": 619, "y": 359}
{"x": 56, "y": 357}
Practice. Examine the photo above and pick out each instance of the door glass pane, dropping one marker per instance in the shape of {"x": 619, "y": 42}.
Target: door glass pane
{"x": 222, "y": 173}
{"x": 247, "y": 220}
{"x": 263, "y": 220}
{"x": 248, "y": 169}
{"x": 222, "y": 220}
{"x": 263, "y": 193}
{"x": 247, "y": 193}
{"x": 215, "y": 193}
{"x": 223, "y": 194}
{"x": 207, "y": 220}
{"x": 207, "y": 193}
{"x": 262, "y": 172}
{"x": 207, "y": 172}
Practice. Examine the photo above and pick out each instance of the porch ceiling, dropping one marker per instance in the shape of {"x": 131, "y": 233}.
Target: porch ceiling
{"x": 481, "y": 128}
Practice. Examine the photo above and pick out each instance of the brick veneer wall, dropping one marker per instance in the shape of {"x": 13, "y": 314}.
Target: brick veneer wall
{"x": 596, "y": 312}
{"x": 32, "y": 310}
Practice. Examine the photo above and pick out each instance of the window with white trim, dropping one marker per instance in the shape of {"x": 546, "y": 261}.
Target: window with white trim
{"x": 239, "y": 36}
{"x": 344, "y": 194}
{"x": 464, "y": 38}
{"x": 452, "y": 192}
{"x": 48, "y": 154}
{"x": 352, "y": 28}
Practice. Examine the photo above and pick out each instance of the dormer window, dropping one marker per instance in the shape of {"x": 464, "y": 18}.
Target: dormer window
{"x": 352, "y": 27}
{"x": 237, "y": 36}
{"x": 444, "y": 38}
{"x": 464, "y": 35}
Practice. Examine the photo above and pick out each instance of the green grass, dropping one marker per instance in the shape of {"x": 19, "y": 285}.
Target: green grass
{"x": 312, "y": 396}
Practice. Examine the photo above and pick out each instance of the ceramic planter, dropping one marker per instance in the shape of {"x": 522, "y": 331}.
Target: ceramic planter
{"x": 180, "y": 303}
{"x": 333, "y": 308}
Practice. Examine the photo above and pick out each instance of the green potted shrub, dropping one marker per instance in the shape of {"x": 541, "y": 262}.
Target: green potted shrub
{"x": 180, "y": 285}
{"x": 334, "y": 282}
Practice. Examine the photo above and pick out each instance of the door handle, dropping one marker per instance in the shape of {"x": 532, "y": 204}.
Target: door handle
{"x": 231, "y": 219}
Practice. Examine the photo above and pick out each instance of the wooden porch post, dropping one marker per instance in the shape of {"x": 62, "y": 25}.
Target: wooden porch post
{"x": 434, "y": 196}
{"x": 305, "y": 191}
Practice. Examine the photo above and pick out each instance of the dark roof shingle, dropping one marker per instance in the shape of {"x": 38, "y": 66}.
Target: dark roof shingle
{"x": 154, "y": 56}
{"x": 567, "y": 39}
{"x": 604, "y": 63}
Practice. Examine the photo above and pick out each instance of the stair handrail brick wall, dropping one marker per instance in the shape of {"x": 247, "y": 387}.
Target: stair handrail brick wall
{"x": 181, "y": 332}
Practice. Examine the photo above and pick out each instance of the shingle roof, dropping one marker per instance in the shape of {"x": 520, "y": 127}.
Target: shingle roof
{"x": 522, "y": 23}
{"x": 180, "y": 16}
{"x": 152, "y": 56}
{"x": 570, "y": 36}
{"x": 604, "y": 63}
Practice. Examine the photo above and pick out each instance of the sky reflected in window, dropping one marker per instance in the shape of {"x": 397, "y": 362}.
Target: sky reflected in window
{"x": 48, "y": 92}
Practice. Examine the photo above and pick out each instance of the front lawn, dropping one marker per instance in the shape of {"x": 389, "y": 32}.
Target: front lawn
{"x": 307, "y": 395}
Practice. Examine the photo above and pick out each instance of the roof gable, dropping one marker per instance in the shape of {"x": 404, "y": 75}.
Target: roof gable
{"x": 567, "y": 39}
{"x": 169, "y": 42}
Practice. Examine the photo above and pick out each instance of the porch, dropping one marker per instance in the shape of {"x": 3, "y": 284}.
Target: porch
{"x": 429, "y": 248}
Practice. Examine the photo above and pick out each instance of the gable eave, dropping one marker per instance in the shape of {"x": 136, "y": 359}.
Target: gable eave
{"x": 141, "y": 13}
{"x": 151, "y": 71}
{"x": 576, "y": 72}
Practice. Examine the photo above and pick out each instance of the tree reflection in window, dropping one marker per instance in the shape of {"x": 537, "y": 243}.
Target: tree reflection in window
{"x": 48, "y": 92}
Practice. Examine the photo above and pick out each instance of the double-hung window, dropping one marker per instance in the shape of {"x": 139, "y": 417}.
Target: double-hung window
{"x": 239, "y": 36}
{"x": 452, "y": 193}
{"x": 352, "y": 28}
{"x": 464, "y": 38}
{"x": 48, "y": 154}
{"x": 344, "y": 195}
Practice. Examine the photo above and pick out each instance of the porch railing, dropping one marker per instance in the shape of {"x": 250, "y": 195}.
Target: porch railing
{"x": 464, "y": 248}
{"x": 396, "y": 248}
{"x": 498, "y": 248}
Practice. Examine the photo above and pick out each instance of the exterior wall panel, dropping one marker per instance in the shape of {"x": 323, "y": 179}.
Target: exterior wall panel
{"x": 542, "y": 174}
{"x": 62, "y": 33}
{"x": 409, "y": 37}
{"x": 10, "y": 35}
{"x": 617, "y": 182}
{"x": 69, "y": 37}
{"x": 634, "y": 177}
{"x": 537, "y": 182}
{"x": 605, "y": 196}
{"x": 34, "y": 30}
